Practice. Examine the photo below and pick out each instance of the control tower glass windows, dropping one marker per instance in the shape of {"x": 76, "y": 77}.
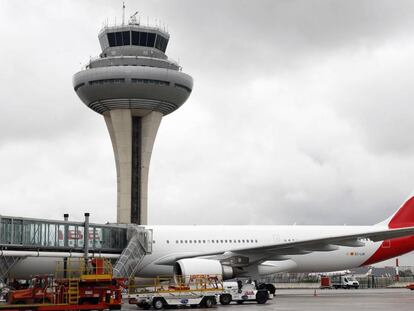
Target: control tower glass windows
{"x": 138, "y": 38}
{"x": 161, "y": 43}
{"x": 111, "y": 39}
{"x": 119, "y": 38}
{"x": 126, "y": 37}
{"x": 151, "y": 39}
{"x": 135, "y": 37}
{"x": 143, "y": 39}
{"x": 150, "y": 81}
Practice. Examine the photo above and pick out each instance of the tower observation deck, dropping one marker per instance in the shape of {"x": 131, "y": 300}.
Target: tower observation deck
{"x": 133, "y": 85}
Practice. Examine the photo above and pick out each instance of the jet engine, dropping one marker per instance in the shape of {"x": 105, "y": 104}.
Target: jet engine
{"x": 197, "y": 266}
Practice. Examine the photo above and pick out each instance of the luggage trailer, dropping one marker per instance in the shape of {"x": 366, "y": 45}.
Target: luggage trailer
{"x": 194, "y": 291}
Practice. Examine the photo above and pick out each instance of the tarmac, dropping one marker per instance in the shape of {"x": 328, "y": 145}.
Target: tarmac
{"x": 399, "y": 299}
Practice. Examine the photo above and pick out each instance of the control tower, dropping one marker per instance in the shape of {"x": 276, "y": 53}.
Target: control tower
{"x": 133, "y": 85}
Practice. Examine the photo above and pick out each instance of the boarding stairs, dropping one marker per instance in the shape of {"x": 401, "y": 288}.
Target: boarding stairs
{"x": 139, "y": 245}
{"x": 6, "y": 263}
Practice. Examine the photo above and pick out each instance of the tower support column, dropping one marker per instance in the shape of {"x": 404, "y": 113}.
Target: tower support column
{"x": 132, "y": 139}
{"x": 149, "y": 128}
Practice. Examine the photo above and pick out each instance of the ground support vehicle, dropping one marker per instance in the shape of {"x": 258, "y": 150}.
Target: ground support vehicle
{"x": 195, "y": 291}
{"x": 344, "y": 281}
{"x": 325, "y": 282}
{"x": 92, "y": 289}
{"x": 239, "y": 292}
{"x": 410, "y": 286}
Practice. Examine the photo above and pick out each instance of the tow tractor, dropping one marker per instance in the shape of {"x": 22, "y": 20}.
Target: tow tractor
{"x": 241, "y": 292}
{"x": 87, "y": 287}
{"x": 194, "y": 291}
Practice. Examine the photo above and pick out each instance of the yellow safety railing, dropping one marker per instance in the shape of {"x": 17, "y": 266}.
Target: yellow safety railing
{"x": 174, "y": 284}
{"x": 79, "y": 268}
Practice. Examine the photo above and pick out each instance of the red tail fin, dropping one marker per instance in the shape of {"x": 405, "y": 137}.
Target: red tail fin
{"x": 404, "y": 217}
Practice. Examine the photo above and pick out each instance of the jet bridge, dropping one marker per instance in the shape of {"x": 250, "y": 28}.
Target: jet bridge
{"x": 18, "y": 233}
{"x": 21, "y": 237}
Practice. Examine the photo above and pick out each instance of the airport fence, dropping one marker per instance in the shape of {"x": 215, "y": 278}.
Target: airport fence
{"x": 365, "y": 281}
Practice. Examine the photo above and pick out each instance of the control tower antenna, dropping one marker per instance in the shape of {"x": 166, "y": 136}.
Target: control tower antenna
{"x": 133, "y": 85}
{"x": 123, "y": 13}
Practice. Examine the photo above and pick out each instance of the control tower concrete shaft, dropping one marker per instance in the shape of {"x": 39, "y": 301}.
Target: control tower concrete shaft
{"x": 133, "y": 85}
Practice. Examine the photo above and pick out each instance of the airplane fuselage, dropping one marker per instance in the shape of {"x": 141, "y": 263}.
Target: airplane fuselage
{"x": 169, "y": 241}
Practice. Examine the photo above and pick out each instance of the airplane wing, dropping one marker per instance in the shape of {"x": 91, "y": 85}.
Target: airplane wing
{"x": 298, "y": 247}
{"x": 326, "y": 244}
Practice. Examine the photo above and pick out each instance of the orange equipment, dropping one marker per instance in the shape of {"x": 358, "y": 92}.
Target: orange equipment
{"x": 92, "y": 288}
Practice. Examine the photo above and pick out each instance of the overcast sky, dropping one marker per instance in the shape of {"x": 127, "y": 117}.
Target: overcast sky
{"x": 301, "y": 112}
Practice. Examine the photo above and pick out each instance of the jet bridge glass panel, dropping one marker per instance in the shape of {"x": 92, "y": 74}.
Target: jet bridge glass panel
{"x": 35, "y": 234}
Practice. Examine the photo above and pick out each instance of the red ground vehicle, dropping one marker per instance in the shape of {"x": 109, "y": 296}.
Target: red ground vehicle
{"x": 93, "y": 289}
{"x": 37, "y": 292}
{"x": 410, "y": 286}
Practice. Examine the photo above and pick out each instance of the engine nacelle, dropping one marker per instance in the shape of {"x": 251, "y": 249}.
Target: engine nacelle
{"x": 197, "y": 266}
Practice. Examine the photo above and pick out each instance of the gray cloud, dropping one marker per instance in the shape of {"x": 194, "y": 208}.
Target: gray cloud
{"x": 300, "y": 112}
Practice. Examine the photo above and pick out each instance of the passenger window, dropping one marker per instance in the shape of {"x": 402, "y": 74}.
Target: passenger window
{"x": 168, "y": 241}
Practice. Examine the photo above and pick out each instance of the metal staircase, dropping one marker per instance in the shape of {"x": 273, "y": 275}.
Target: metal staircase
{"x": 6, "y": 263}
{"x": 140, "y": 244}
{"x": 73, "y": 291}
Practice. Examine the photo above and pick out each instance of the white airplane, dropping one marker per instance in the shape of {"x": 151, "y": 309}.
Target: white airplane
{"x": 261, "y": 250}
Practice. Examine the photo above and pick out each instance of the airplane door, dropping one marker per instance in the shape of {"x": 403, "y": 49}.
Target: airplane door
{"x": 276, "y": 238}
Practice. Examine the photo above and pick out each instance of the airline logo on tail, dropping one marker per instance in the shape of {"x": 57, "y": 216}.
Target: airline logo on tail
{"x": 404, "y": 217}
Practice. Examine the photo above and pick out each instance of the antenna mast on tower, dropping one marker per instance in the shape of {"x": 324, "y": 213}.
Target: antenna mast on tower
{"x": 123, "y": 13}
